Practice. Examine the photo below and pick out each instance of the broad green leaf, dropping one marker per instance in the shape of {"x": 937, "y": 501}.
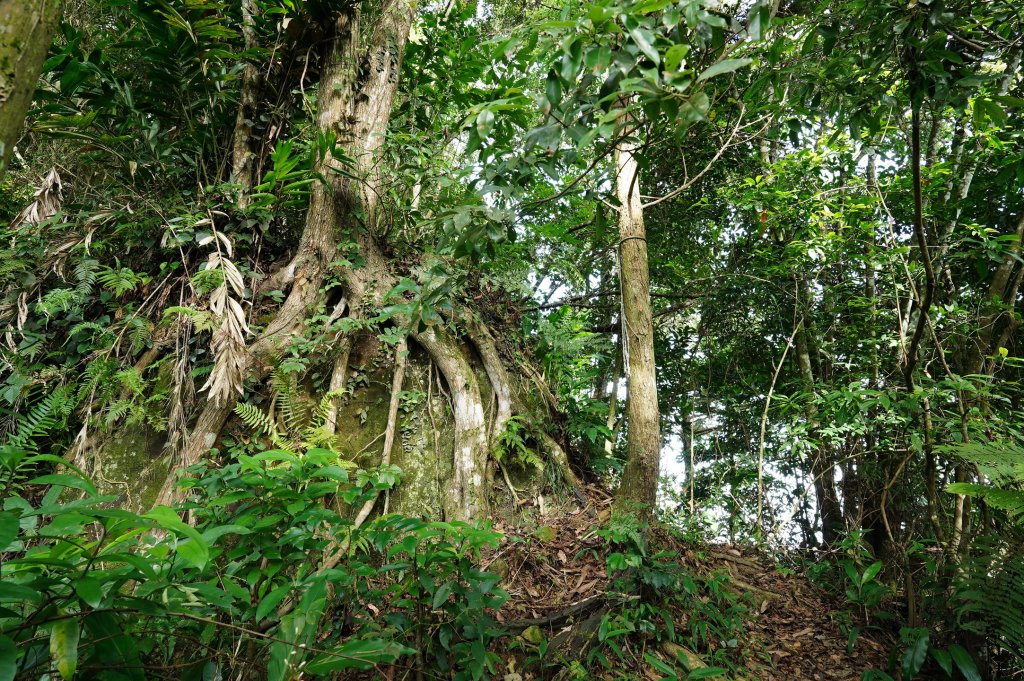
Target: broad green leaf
{"x": 118, "y": 649}
{"x": 944, "y": 660}
{"x": 89, "y": 590}
{"x": 358, "y": 654}
{"x": 196, "y": 551}
{"x": 707, "y": 672}
{"x": 553, "y": 89}
{"x": 64, "y": 645}
{"x": 724, "y": 66}
{"x": 8, "y": 659}
{"x": 18, "y": 592}
{"x": 675, "y": 56}
{"x": 65, "y": 480}
{"x": 484, "y": 123}
{"x": 871, "y": 572}
{"x": 10, "y": 524}
{"x": 964, "y": 663}
{"x": 644, "y": 39}
{"x": 441, "y": 595}
{"x": 270, "y": 601}
{"x": 211, "y": 535}
{"x": 915, "y": 656}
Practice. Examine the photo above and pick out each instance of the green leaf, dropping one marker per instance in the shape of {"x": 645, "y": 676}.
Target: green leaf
{"x": 8, "y": 659}
{"x": 118, "y": 649}
{"x": 944, "y": 660}
{"x": 441, "y": 595}
{"x": 18, "y": 592}
{"x": 211, "y": 535}
{"x": 724, "y": 66}
{"x": 851, "y": 640}
{"x": 89, "y": 590}
{"x": 64, "y": 645}
{"x": 964, "y": 663}
{"x": 644, "y": 39}
{"x": 484, "y": 123}
{"x": 707, "y": 672}
{"x": 675, "y": 56}
{"x": 553, "y": 89}
{"x": 665, "y": 669}
{"x": 270, "y": 601}
{"x": 10, "y": 524}
{"x": 196, "y": 552}
{"x": 758, "y": 22}
{"x": 64, "y": 480}
{"x": 870, "y": 573}
{"x": 915, "y": 656}
{"x": 359, "y": 654}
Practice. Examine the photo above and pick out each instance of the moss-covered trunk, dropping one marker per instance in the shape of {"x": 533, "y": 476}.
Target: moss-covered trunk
{"x": 458, "y": 388}
{"x": 26, "y": 30}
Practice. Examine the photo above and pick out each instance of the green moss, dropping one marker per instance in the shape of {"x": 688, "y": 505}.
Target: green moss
{"x": 362, "y": 420}
{"x": 423, "y": 453}
{"x": 132, "y": 465}
{"x": 132, "y": 462}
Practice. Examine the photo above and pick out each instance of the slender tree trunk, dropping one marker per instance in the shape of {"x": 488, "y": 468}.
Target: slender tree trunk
{"x": 822, "y": 468}
{"x": 613, "y": 399}
{"x": 27, "y": 31}
{"x": 242, "y": 154}
{"x": 640, "y": 478}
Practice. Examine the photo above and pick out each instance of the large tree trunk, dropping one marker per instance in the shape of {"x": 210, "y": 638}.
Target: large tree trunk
{"x": 26, "y": 31}
{"x": 639, "y": 486}
{"x": 359, "y": 83}
{"x": 355, "y": 111}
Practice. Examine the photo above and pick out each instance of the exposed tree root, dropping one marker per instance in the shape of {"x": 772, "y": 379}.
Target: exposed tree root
{"x": 559, "y": 618}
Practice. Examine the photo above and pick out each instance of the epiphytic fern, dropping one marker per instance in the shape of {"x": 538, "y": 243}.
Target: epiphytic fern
{"x": 294, "y": 409}
{"x": 512, "y": 447}
{"x": 298, "y": 426}
{"x": 119, "y": 280}
{"x": 260, "y": 422}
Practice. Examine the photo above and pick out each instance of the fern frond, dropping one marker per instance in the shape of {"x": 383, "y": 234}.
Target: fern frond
{"x": 117, "y": 411}
{"x": 990, "y": 596}
{"x": 294, "y": 409}
{"x": 260, "y": 423}
{"x": 139, "y": 334}
{"x": 1003, "y": 465}
{"x": 41, "y": 419}
{"x": 85, "y": 276}
{"x": 58, "y": 300}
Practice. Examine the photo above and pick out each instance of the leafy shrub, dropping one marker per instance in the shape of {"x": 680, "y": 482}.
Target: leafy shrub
{"x": 665, "y": 592}
{"x": 271, "y": 579}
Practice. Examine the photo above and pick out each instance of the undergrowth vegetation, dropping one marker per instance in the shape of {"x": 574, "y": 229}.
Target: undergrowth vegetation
{"x": 268, "y": 578}
{"x": 519, "y": 340}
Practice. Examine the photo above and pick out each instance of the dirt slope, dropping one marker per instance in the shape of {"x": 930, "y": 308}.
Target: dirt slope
{"x": 555, "y": 576}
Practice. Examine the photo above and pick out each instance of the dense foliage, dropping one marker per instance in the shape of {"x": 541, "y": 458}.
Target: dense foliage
{"x": 302, "y": 299}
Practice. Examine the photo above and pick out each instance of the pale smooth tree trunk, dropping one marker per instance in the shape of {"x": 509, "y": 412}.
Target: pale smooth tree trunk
{"x": 638, "y": 491}
{"x": 26, "y": 31}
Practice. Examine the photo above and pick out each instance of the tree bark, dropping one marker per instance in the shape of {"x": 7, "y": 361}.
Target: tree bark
{"x": 639, "y": 488}
{"x": 822, "y": 469}
{"x": 242, "y": 155}
{"x": 28, "y": 29}
{"x": 355, "y": 111}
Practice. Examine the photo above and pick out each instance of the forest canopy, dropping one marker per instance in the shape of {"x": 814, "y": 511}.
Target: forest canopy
{"x": 609, "y": 339}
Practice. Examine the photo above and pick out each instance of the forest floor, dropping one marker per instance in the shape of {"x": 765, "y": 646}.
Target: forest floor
{"x": 790, "y": 628}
